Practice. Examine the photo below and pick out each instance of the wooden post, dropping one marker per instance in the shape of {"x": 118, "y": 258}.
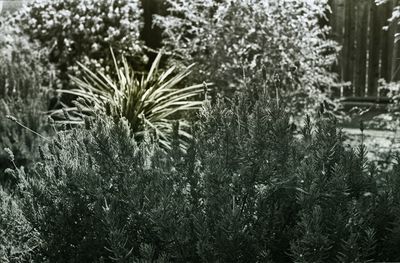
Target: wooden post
{"x": 375, "y": 27}
{"x": 345, "y": 43}
{"x": 395, "y": 69}
{"x": 395, "y": 60}
{"x": 386, "y": 43}
{"x": 340, "y": 19}
{"x": 361, "y": 51}
{"x": 348, "y": 45}
{"x": 387, "y": 36}
{"x": 150, "y": 33}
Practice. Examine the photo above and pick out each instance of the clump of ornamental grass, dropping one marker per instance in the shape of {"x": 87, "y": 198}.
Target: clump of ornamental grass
{"x": 150, "y": 102}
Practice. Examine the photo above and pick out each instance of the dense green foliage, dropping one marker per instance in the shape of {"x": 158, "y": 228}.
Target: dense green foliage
{"x": 83, "y": 31}
{"x": 394, "y": 18}
{"x": 251, "y": 188}
{"x": 19, "y": 241}
{"x": 25, "y": 76}
{"x": 238, "y": 44}
{"x": 120, "y": 185}
{"x": 23, "y": 64}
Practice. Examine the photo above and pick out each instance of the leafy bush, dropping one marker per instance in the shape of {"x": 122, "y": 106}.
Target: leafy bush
{"x": 247, "y": 189}
{"x": 76, "y": 30}
{"x": 16, "y": 116}
{"x": 390, "y": 119}
{"x": 19, "y": 242}
{"x": 88, "y": 207}
{"x": 280, "y": 192}
{"x": 25, "y": 76}
{"x": 239, "y": 44}
{"x": 22, "y": 63}
{"x": 394, "y": 17}
{"x": 148, "y": 102}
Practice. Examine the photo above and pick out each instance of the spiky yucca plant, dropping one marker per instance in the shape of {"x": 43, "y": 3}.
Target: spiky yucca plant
{"x": 150, "y": 102}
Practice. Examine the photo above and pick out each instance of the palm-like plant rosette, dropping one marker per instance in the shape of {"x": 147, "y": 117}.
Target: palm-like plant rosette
{"x": 150, "y": 102}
